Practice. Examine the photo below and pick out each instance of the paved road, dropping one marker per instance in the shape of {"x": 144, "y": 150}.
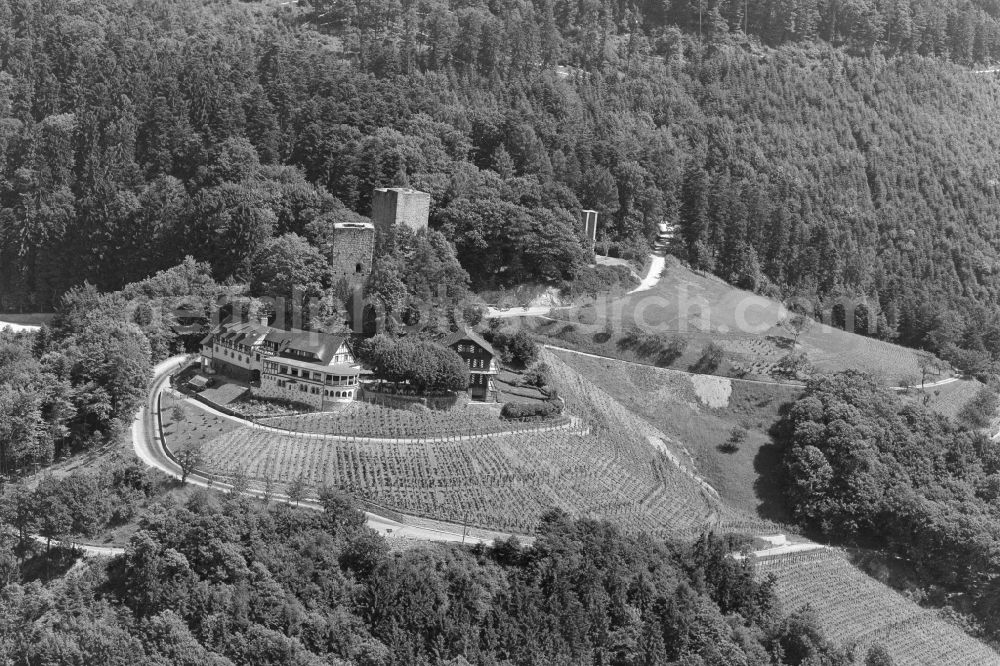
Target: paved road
{"x": 149, "y": 448}
{"x": 941, "y": 382}
{"x": 785, "y": 549}
{"x": 653, "y": 275}
{"x": 656, "y": 266}
{"x": 518, "y": 311}
{"x": 88, "y": 550}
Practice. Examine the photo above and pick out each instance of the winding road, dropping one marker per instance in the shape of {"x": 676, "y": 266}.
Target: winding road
{"x": 656, "y": 265}
{"x": 149, "y": 447}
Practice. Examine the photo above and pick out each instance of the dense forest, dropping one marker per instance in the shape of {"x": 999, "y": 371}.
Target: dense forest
{"x": 865, "y": 468}
{"x": 233, "y": 582}
{"x": 808, "y": 148}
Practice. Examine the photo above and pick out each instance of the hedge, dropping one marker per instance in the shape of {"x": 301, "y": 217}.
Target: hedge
{"x": 529, "y": 410}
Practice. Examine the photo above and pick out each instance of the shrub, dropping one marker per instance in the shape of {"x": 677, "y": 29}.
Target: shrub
{"x": 794, "y": 365}
{"x": 737, "y": 436}
{"x": 662, "y": 349}
{"x": 979, "y": 411}
{"x": 710, "y": 359}
{"x": 537, "y": 376}
{"x": 529, "y": 410}
{"x": 594, "y": 280}
{"x": 515, "y": 346}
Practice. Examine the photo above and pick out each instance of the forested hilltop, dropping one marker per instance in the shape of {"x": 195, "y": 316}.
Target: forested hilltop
{"x": 836, "y": 150}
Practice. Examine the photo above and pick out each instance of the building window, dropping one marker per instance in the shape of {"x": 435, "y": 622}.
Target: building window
{"x": 357, "y": 268}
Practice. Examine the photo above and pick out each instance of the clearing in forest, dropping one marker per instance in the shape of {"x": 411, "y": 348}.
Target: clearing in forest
{"x": 701, "y": 309}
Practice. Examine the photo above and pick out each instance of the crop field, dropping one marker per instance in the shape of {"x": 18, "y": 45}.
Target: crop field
{"x": 699, "y": 421}
{"x": 362, "y": 419}
{"x": 854, "y": 610}
{"x": 704, "y": 309}
{"x": 612, "y": 467}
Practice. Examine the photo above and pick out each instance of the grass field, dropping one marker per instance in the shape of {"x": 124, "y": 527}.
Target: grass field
{"x": 704, "y": 309}
{"x": 692, "y": 414}
{"x": 854, "y": 611}
{"x": 615, "y": 467}
{"x": 196, "y": 427}
{"x": 948, "y": 399}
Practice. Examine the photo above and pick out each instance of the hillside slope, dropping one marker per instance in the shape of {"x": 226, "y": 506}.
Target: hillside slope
{"x": 703, "y": 309}
{"x": 609, "y": 465}
{"x": 699, "y": 414}
{"x": 854, "y": 610}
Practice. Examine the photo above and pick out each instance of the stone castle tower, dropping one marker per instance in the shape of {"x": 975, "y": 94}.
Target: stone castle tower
{"x": 399, "y": 206}
{"x": 353, "y": 251}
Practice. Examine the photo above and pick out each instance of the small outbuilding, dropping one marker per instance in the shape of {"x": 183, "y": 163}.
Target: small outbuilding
{"x": 481, "y": 358}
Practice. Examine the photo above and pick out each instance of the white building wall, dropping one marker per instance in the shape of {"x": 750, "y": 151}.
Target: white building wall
{"x": 269, "y": 389}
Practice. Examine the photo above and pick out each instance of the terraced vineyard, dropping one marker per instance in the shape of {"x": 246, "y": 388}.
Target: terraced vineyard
{"x": 362, "y": 419}
{"x": 699, "y": 414}
{"x": 854, "y": 610}
{"x": 611, "y": 468}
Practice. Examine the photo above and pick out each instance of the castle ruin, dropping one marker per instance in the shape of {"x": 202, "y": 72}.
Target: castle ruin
{"x": 399, "y": 206}
{"x": 353, "y": 251}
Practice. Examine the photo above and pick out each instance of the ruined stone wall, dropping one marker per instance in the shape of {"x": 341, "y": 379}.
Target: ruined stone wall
{"x": 392, "y": 206}
{"x": 352, "y": 252}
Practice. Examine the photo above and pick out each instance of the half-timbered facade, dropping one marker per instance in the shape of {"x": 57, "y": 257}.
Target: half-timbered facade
{"x": 299, "y": 366}
{"x": 481, "y": 359}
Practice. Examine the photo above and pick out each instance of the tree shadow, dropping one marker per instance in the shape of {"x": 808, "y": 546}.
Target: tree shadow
{"x": 769, "y": 465}
{"x": 769, "y": 485}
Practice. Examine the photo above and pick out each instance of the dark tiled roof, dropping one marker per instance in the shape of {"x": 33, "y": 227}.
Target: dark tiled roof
{"x": 321, "y": 346}
{"x": 317, "y": 347}
{"x": 464, "y": 334}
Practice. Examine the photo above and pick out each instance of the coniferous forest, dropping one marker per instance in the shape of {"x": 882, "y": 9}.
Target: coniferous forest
{"x": 814, "y": 148}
